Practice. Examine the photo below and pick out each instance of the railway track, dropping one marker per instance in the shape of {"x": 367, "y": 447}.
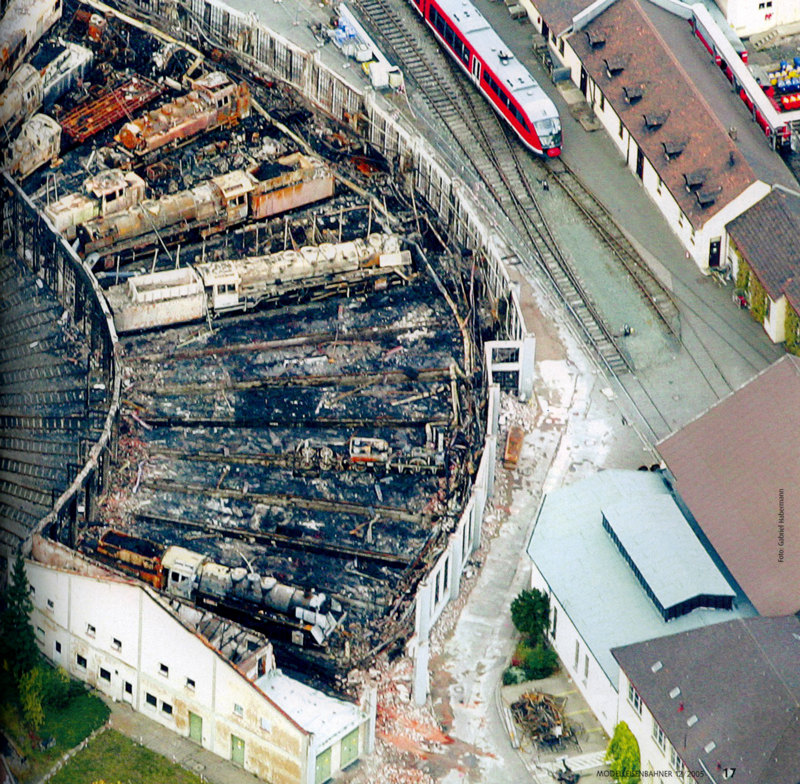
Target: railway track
{"x": 608, "y": 230}
{"x": 499, "y": 161}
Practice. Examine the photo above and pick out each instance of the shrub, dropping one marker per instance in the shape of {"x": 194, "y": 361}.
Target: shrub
{"x": 56, "y": 688}
{"x": 530, "y": 612}
{"x": 623, "y": 755}
{"x": 540, "y": 662}
{"x": 514, "y": 675}
{"x": 31, "y": 687}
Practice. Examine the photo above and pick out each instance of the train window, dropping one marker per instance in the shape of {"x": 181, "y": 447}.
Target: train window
{"x": 80, "y": 661}
{"x": 105, "y": 675}
{"x": 163, "y": 670}
{"x": 150, "y": 699}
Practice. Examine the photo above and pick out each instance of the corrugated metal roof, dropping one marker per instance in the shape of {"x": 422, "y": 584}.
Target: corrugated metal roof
{"x": 737, "y": 467}
{"x": 586, "y": 572}
{"x": 683, "y": 568}
{"x": 326, "y": 717}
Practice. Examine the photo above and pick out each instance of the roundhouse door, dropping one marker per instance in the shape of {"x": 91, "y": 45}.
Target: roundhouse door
{"x": 476, "y": 70}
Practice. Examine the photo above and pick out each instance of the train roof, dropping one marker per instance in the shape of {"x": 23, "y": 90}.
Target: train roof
{"x": 499, "y": 59}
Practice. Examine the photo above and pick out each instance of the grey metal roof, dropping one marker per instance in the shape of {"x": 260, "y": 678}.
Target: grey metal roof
{"x": 742, "y": 682}
{"x": 683, "y": 568}
{"x": 585, "y": 571}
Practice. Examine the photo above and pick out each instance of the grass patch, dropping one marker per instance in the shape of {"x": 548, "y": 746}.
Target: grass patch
{"x": 69, "y": 726}
{"x": 112, "y": 758}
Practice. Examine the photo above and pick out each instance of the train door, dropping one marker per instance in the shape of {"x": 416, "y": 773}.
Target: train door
{"x": 476, "y": 69}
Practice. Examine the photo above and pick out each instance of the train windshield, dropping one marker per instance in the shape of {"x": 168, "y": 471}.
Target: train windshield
{"x": 549, "y": 132}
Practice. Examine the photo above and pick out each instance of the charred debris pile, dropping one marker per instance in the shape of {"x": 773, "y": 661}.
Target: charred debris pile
{"x": 302, "y": 399}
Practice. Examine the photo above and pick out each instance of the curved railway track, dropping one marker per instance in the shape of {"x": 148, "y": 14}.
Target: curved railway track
{"x": 499, "y": 161}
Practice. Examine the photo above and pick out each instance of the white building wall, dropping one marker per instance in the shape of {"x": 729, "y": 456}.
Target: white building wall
{"x": 654, "y": 758}
{"x": 578, "y": 660}
{"x": 750, "y": 17}
{"x": 112, "y": 632}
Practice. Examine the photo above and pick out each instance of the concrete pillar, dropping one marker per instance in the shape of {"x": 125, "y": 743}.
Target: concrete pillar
{"x": 456, "y": 562}
{"x": 371, "y": 709}
{"x": 490, "y": 456}
{"x": 423, "y": 619}
{"x": 527, "y": 357}
{"x": 493, "y": 413}
{"x": 421, "y": 672}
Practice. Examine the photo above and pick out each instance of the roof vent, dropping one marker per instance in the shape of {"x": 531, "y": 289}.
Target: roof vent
{"x": 709, "y": 747}
{"x": 655, "y": 120}
{"x": 675, "y": 692}
{"x": 616, "y": 65}
{"x": 657, "y": 666}
{"x": 504, "y": 56}
{"x": 673, "y": 148}
{"x": 707, "y": 197}
{"x": 731, "y": 158}
{"x": 597, "y": 38}
{"x": 692, "y": 720}
{"x": 633, "y": 93}
{"x": 694, "y": 180}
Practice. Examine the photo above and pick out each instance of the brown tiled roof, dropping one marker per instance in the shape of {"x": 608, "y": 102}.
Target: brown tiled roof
{"x": 668, "y": 96}
{"x": 558, "y": 13}
{"x": 741, "y": 680}
{"x": 737, "y": 467}
{"x": 768, "y": 237}
{"x": 792, "y": 292}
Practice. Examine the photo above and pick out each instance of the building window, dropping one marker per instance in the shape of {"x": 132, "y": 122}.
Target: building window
{"x": 150, "y": 700}
{"x": 166, "y": 708}
{"x": 32, "y": 591}
{"x": 81, "y": 661}
{"x": 634, "y": 699}
{"x": 658, "y": 187}
{"x": 238, "y": 710}
{"x": 585, "y": 667}
{"x": 658, "y": 736}
{"x": 90, "y": 630}
{"x": 105, "y": 675}
{"x": 190, "y": 684}
{"x": 266, "y": 724}
{"x": 577, "y": 654}
{"x": 561, "y": 45}
{"x": 555, "y": 622}
{"x": 128, "y": 687}
{"x": 767, "y": 303}
{"x": 58, "y": 647}
{"x": 602, "y": 102}
{"x": 40, "y": 632}
{"x": 680, "y": 219}
{"x": 50, "y": 604}
{"x": 621, "y": 129}
{"x": 163, "y": 670}
{"x": 676, "y": 762}
{"x": 116, "y": 644}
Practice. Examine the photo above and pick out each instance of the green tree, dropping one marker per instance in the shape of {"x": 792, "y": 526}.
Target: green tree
{"x": 622, "y": 755}
{"x": 16, "y": 633}
{"x": 31, "y": 687}
{"x": 55, "y": 687}
{"x": 530, "y": 612}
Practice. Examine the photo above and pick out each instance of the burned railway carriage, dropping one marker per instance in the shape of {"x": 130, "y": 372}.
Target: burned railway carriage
{"x": 191, "y": 575}
{"x": 506, "y": 83}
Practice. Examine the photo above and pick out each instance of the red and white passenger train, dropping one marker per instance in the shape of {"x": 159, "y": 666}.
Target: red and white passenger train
{"x": 506, "y": 83}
